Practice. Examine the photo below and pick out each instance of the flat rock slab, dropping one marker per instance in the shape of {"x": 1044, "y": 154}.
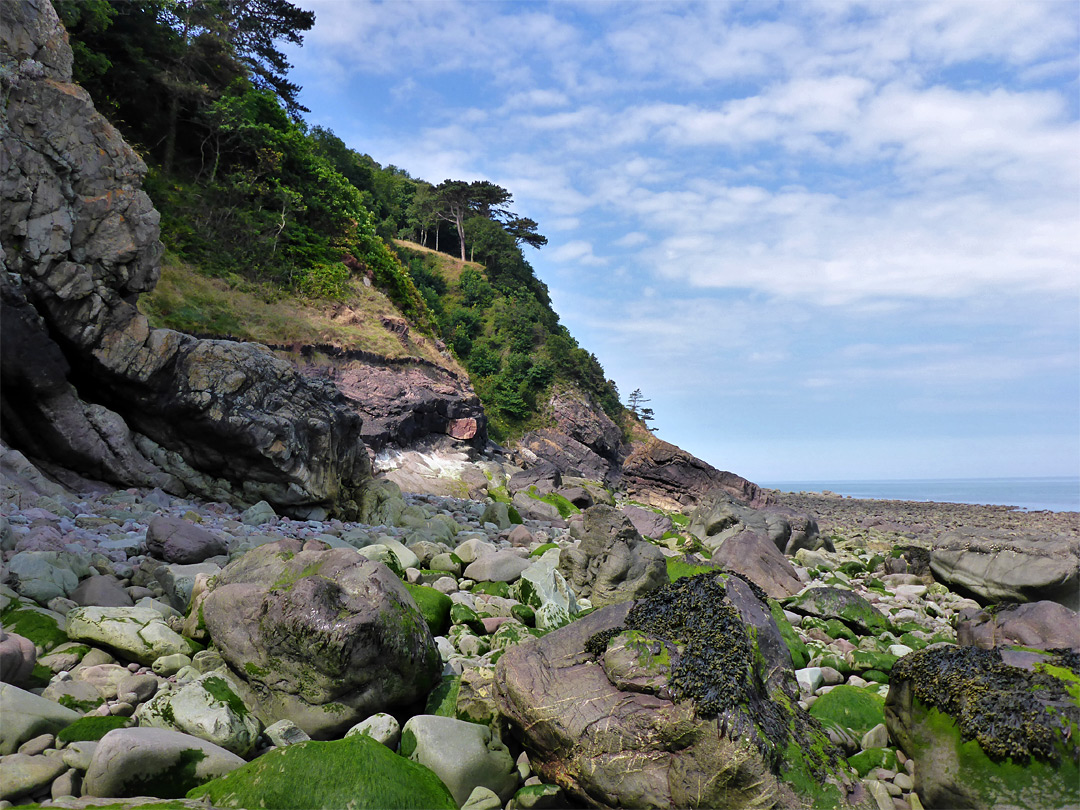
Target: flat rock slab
{"x": 26, "y": 715}
{"x": 137, "y": 633}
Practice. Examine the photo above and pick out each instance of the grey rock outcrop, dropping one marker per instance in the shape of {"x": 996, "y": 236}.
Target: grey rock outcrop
{"x": 613, "y": 563}
{"x": 1003, "y": 566}
{"x": 1042, "y": 625}
{"x": 720, "y": 516}
{"x": 323, "y": 637}
{"x": 80, "y": 242}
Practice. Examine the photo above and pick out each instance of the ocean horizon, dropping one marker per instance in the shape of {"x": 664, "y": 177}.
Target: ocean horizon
{"x": 1052, "y": 493}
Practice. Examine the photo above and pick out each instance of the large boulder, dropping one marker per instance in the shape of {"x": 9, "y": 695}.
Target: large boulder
{"x": 463, "y": 755}
{"x": 1006, "y": 566}
{"x": 26, "y": 715}
{"x": 1041, "y": 625}
{"x": 567, "y": 454}
{"x": 988, "y": 728}
{"x": 612, "y": 563}
{"x": 684, "y": 698}
{"x": 720, "y": 517}
{"x": 154, "y": 762}
{"x": 837, "y": 603}
{"x": 217, "y": 418}
{"x": 181, "y": 541}
{"x": 663, "y": 475}
{"x": 756, "y": 557}
{"x": 648, "y": 523}
{"x": 135, "y": 633}
{"x": 322, "y": 637}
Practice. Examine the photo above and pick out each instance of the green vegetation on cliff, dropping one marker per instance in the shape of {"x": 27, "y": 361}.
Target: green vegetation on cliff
{"x": 268, "y": 221}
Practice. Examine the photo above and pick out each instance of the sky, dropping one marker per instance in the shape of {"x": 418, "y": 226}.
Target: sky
{"x": 827, "y": 240}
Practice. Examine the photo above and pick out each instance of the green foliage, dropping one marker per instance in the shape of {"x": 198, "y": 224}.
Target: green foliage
{"x": 356, "y": 772}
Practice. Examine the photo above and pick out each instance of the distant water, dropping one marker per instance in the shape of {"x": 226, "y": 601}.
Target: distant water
{"x": 1030, "y": 494}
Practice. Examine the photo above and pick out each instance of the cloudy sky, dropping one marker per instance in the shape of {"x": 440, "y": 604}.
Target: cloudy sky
{"x": 828, "y": 240}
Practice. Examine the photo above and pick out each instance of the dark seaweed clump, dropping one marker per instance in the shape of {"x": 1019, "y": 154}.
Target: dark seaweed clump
{"x": 1005, "y": 708}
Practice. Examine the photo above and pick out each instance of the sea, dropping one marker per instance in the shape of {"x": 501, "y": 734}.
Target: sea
{"x": 1057, "y": 494}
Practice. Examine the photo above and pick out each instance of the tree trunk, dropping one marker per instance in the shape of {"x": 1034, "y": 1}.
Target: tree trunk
{"x": 170, "y": 135}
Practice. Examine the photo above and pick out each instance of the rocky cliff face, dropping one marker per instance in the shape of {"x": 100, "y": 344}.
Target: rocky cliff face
{"x": 87, "y": 384}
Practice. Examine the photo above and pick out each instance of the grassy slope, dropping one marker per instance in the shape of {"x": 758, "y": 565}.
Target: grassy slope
{"x": 190, "y": 302}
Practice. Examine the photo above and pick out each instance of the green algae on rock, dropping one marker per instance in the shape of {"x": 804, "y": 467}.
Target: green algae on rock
{"x": 989, "y": 728}
{"x": 356, "y": 772}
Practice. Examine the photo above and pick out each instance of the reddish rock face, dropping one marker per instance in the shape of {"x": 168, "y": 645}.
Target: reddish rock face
{"x": 462, "y": 428}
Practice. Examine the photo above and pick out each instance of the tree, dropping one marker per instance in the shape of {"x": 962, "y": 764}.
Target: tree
{"x": 457, "y": 200}
{"x": 634, "y": 400}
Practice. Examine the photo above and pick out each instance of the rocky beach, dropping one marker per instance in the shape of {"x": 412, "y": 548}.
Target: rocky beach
{"x": 256, "y": 575}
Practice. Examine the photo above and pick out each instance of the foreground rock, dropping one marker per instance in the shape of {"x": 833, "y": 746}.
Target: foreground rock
{"x": 322, "y": 637}
{"x": 989, "y": 728}
{"x": 1042, "y": 625}
{"x": 670, "y": 702}
{"x": 221, "y": 419}
{"x": 1002, "y": 566}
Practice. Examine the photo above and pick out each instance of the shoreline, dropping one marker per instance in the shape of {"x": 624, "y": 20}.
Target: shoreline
{"x": 921, "y": 519}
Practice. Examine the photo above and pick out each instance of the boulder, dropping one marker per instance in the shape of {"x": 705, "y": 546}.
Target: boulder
{"x": 502, "y": 566}
{"x": 26, "y": 715}
{"x": 218, "y": 418}
{"x": 545, "y": 477}
{"x": 208, "y": 708}
{"x": 322, "y": 637}
{"x": 988, "y": 728}
{"x": 154, "y": 762}
{"x": 612, "y": 563}
{"x": 102, "y": 591}
{"x": 565, "y": 453}
{"x": 836, "y": 603}
{"x": 382, "y": 727}
{"x": 662, "y": 475}
{"x": 45, "y": 575}
{"x": 463, "y": 755}
{"x": 647, "y": 522}
{"x": 1043, "y": 625}
{"x": 354, "y": 772}
{"x": 17, "y": 658}
{"x": 1006, "y": 566}
{"x": 757, "y": 557}
{"x": 178, "y": 581}
{"x": 670, "y": 701}
{"x": 21, "y": 774}
{"x": 135, "y": 633}
{"x": 181, "y": 541}
{"x": 720, "y": 516}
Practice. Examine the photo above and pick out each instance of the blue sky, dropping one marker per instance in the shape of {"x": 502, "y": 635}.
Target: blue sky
{"x": 828, "y": 240}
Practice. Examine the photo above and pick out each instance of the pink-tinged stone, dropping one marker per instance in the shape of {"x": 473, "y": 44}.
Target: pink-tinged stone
{"x": 493, "y": 623}
{"x": 462, "y": 428}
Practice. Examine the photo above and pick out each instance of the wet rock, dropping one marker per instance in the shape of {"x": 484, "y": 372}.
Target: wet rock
{"x": 323, "y": 637}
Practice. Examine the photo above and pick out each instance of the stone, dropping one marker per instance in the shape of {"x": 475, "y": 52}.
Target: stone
{"x": 79, "y": 754}
{"x": 851, "y": 709}
{"x": 877, "y": 737}
{"x": 381, "y": 727}
{"x": 178, "y": 581}
{"x": 285, "y": 732}
{"x": 154, "y": 762}
{"x": 542, "y": 587}
{"x": 257, "y": 515}
{"x": 322, "y": 637}
{"x": 136, "y": 633}
{"x": 520, "y": 537}
{"x": 69, "y": 783}
{"x": 1017, "y": 706}
{"x": 1044, "y": 625}
{"x": 721, "y": 516}
{"x": 648, "y": 523}
{"x": 43, "y": 575}
{"x": 756, "y": 557}
{"x": 17, "y": 658}
{"x": 22, "y": 774}
{"x": 847, "y": 606}
{"x": 353, "y": 772}
{"x": 37, "y": 745}
{"x": 463, "y": 755}
{"x": 26, "y": 715}
{"x": 103, "y": 591}
{"x": 497, "y": 513}
{"x": 476, "y": 696}
{"x": 568, "y": 455}
{"x": 208, "y": 708}
{"x": 669, "y": 738}
{"x": 105, "y": 678}
{"x": 501, "y": 566}
{"x": 809, "y": 679}
{"x": 180, "y": 541}
{"x": 482, "y": 798}
{"x": 545, "y": 477}
{"x": 137, "y": 688}
{"x": 612, "y": 563}
{"x": 1006, "y": 566}
{"x": 473, "y": 549}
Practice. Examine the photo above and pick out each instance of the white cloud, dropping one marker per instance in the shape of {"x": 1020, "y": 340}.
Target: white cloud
{"x": 577, "y": 252}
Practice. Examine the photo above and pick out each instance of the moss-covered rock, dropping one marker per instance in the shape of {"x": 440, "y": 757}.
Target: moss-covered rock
{"x": 989, "y": 728}
{"x": 91, "y": 728}
{"x": 866, "y": 761}
{"x": 850, "y": 707}
{"x": 836, "y": 603}
{"x": 356, "y": 772}
{"x": 434, "y": 607}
